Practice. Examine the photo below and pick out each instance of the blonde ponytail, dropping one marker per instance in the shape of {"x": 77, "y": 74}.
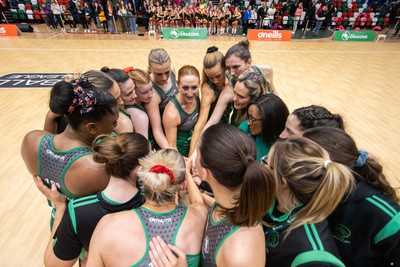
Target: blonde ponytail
{"x": 312, "y": 178}
{"x": 161, "y": 187}
{"x": 335, "y": 182}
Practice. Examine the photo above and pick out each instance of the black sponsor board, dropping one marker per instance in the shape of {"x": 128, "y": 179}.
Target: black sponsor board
{"x": 30, "y": 80}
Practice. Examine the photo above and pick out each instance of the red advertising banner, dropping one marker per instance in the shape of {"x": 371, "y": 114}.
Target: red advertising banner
{"x": 269, "y": 35}
{"x": 8, "y": 30}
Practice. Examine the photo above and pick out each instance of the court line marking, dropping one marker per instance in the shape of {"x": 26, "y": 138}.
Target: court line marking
{"x": 194, "y": 50}
{"x": 51, "y": 37}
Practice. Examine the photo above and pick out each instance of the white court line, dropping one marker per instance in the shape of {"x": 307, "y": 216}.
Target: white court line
{"x": 199, "y": 50}
{"x": 48, "y": 38}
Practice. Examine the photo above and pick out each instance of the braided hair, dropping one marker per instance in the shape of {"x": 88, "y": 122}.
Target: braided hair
{"x": 315, "y": 116}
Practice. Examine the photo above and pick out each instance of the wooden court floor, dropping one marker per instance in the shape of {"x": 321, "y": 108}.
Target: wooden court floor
{"x": 360, "y": 81}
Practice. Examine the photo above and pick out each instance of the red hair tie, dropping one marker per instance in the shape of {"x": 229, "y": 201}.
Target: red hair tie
{"x": 128, "y": 69}
{"x": 163, "y": 169}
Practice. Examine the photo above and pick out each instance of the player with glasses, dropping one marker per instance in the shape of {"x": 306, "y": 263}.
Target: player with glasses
{"x": 266, "y": 117}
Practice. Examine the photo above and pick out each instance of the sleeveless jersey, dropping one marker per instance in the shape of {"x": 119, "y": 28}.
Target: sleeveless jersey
{"x": 214, "y": 236}
{"x": 185, "y": 129}
{"x": 149, "y": 132}
{"x": 165, "y": 96}
{"x": 81, "y": 218}
{"x": 188, "y": 121}
{"x": 121, "y": 111}
{"x": 54, "y": 164}
{"x": 135, "y": 106}
{"x": 227, "y": 113}
{"x": 165, "y": 225}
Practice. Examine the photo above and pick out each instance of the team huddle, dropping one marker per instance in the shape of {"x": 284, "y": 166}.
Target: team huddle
{"x": 205, "y": 168}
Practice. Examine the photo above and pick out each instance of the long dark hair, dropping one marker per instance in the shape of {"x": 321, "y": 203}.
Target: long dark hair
{"x": 343, "y": 149}
{"x": 230, "y": 155}
{"x": 273, "y": 112}
{"x": 315, "y": 116}
{"x": 62, "y": 96}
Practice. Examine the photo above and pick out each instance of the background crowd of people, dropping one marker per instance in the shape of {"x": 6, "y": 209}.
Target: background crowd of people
{"x": 223, "y": 17}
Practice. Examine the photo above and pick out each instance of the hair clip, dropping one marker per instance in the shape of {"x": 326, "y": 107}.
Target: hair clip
{"x": 82, "y": 82}
{"x": 128, "y": 69}
{"x": 85, "y": 100}
{"x": 362, "y": 158}
{"x": 163, "y": 169}
{"x": 326, "y": 163}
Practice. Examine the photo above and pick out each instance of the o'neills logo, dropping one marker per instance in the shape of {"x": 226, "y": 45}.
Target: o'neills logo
{"x": 8, "y": 29}
{"x": 270, "y": 35}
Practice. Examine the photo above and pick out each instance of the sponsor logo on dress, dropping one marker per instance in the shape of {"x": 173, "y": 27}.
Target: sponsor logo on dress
{"x": 205, "y": 245}
{"x": 54, "y": 155}
{"x": 342, "y": 233}
{"x": 160, "y": 221}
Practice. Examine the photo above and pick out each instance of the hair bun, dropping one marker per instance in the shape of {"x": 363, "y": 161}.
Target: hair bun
{"x": 212, "y": 49}
{"x": 105, "y": 69}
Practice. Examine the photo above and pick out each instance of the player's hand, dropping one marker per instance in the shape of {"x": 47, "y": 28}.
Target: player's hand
{"x": 166, "y": 255}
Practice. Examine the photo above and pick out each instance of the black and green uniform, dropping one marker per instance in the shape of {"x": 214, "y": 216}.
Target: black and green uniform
{"x": 185, "y": 129}
{"x": 121, "y": 111}
{"x": 166, "y": 225}
{"x": 150, "y": 132}
{"x": 366, "y": 228}
{"x": 308, "y": 245}
{"x": 228, "y": 111}
{"x": 214, "y": 236}
{"x": 166, "y": 95}
{"x": 54, "y": 163}
{"x": 80, "y": 219}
